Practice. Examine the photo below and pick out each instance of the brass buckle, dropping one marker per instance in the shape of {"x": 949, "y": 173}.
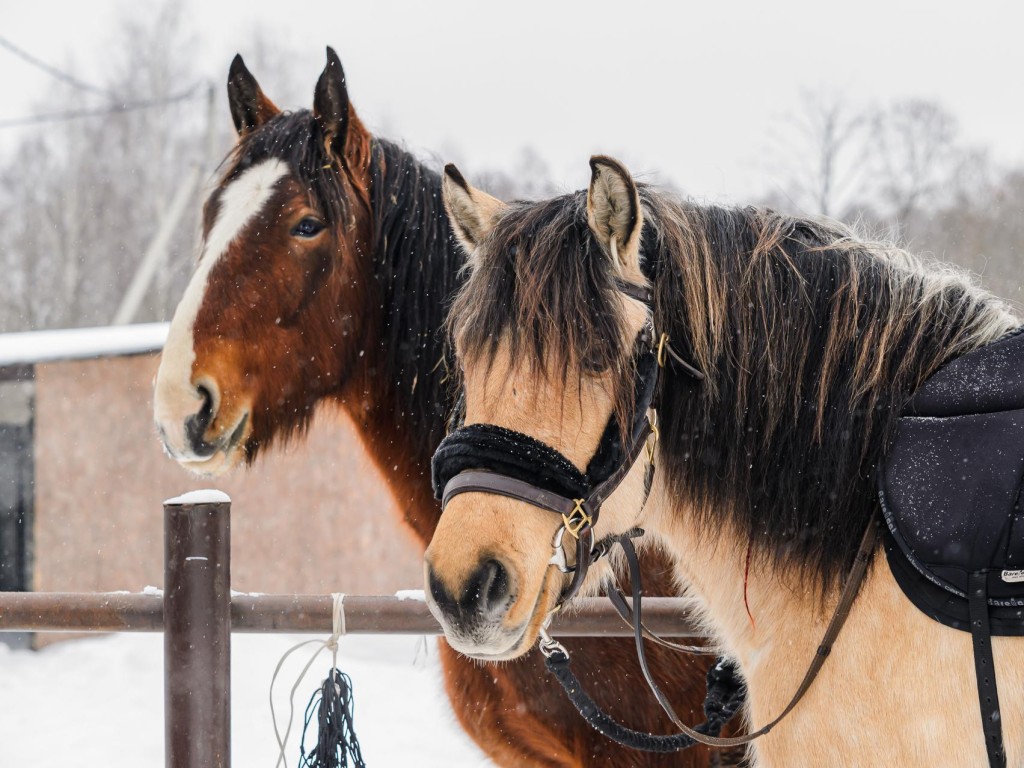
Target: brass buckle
{"x": 652, "y": 440}
{"x": 662, "y": 342}
{"x": 577, "y": 520}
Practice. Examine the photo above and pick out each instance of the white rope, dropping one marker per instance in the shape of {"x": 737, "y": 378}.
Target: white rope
{"x": 331, "y": 644}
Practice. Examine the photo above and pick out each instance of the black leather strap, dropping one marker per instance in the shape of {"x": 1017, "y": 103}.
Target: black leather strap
{"x": 618, "y": 601}
{"x": 846, "y": 598}
{"x": 600, "y": 494}
{"x": 481, "y": 481}
{"x": 984, "y": 668}
{"x": 725, "y": 694}
{"x": 641, "y": 293}
{"x": 503, "y": 451}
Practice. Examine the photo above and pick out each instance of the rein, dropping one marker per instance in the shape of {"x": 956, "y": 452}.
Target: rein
{"x": 724, "y": 692}
{"x": 530, "y": 471}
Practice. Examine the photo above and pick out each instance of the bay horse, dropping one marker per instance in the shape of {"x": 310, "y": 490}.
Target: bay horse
{"x": 326, "y": 266}
{"x": 802, "y": 344}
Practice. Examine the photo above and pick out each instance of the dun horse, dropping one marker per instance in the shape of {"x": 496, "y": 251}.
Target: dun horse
{"x": 325, "y": 269}
{"x": 810, "y": 342}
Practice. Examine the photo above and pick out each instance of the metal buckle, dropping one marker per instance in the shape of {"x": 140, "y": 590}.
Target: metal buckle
{"x": 547, "y": 644}
{"x": 558, "y": 559}
{"x": 662, "y": 342}
{"x": 577, "y": 520}
{"x": 652, "y": 440}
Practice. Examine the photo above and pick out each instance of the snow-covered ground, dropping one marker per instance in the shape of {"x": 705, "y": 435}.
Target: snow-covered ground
{"x": 99, "y": 702}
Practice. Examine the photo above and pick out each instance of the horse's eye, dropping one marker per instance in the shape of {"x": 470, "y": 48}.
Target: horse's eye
{"x": 308, "y": 227}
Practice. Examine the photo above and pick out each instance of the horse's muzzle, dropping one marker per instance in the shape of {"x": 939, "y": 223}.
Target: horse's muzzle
{"x": 473, "y": 615}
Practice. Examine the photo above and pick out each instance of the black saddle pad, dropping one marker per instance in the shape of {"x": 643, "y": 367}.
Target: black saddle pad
{"x": 950, "y": 488}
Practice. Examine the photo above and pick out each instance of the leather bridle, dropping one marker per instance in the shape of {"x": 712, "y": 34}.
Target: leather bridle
{"x": 577, "y": 497}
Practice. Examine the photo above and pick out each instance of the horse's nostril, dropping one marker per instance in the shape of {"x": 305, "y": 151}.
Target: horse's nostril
{"x": 443, "y": 599}
{"x": 490, "y": 588}
{"x": 197, "y": 424}
{"x": 486, "y": 596}
{"x": 207, "y": 410}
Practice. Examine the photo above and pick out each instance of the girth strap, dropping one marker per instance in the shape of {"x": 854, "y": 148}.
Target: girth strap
{"x": 985, "y": 669}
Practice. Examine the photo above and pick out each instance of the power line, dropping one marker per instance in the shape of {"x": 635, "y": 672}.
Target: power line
{"x": 75, "y": 114}
{"x": 52, "y": 71}
{"x": 117, "y": 109}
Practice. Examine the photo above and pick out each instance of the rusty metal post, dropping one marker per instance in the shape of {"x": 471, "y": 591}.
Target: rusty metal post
{"x": 197, "y": 631}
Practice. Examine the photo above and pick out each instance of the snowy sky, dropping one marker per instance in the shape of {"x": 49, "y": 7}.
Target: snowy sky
{"x": 684, "y": 91}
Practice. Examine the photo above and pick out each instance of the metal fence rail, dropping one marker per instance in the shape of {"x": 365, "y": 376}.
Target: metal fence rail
{"x": 312, "y": 614}
{"x": 197, "y": 612}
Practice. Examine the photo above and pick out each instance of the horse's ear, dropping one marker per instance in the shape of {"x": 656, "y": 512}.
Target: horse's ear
{"x": 330, "y": 104}
{"x": 471, "y": 211}
{"x": 613, "y": 210}
{"x": 250, "y": 108}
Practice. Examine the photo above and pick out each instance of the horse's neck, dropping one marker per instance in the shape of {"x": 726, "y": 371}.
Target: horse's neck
{"x": 778, "y": 637}
{"x": 400, "y": 400}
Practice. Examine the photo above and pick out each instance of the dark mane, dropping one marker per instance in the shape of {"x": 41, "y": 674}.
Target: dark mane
{"x": 812, "y": 340}
{"x": 548, "y": 287}
{"x": 418, "y": 265}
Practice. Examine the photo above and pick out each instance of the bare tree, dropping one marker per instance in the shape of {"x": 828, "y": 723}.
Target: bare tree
{"x": 903, "y": 170}
{"x": 817, "y": 153}
{"x": 981, "y": 229}
{"x": 83, "y": 197}
{"x": 916, "y": 155}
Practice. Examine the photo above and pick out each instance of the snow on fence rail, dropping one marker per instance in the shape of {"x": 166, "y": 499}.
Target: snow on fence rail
{"x": 197, "y": 612}
{"x": 81, "y": 343}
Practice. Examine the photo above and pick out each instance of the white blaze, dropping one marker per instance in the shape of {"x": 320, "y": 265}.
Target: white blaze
{"x": 175, "y": 398}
